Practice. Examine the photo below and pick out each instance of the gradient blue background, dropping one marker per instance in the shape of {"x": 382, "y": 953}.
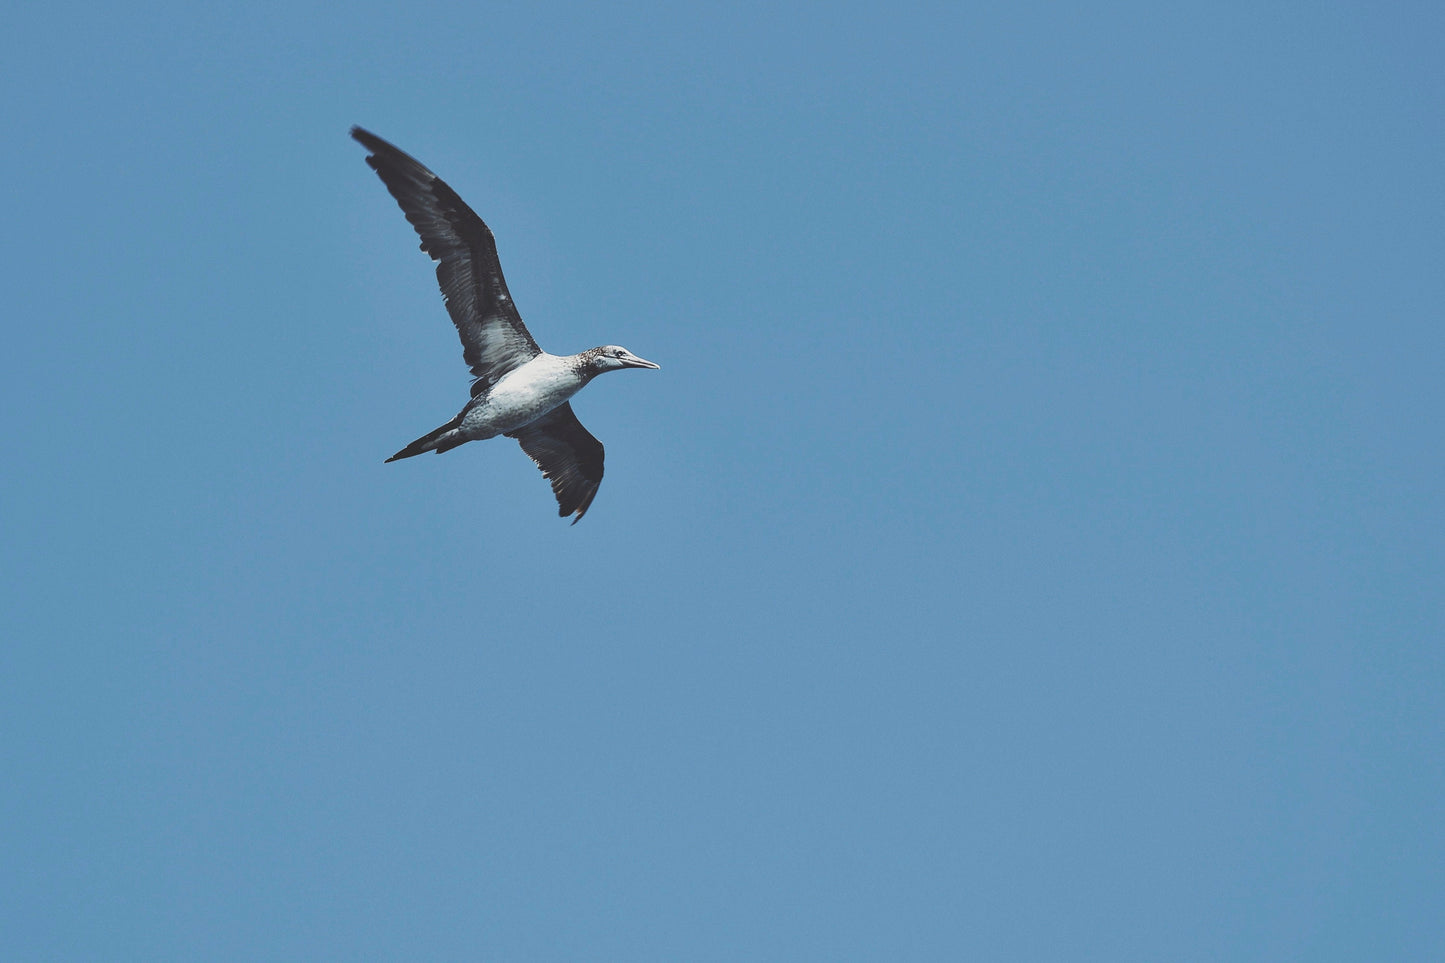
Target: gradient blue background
{"x": 1030, "y": 548}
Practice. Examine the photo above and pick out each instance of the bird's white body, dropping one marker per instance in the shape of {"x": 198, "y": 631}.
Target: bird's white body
{"x": 523, "y": 395}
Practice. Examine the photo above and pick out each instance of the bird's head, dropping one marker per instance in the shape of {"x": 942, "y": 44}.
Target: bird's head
{"x": 611, "y": 357}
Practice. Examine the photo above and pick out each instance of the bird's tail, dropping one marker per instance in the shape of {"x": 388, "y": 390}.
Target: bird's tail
{"x": 442, "y": 439}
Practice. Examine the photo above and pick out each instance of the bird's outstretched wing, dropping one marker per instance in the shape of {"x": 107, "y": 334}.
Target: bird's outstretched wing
{"x": 494, "y": 340}
{"x": 568, "y": 455}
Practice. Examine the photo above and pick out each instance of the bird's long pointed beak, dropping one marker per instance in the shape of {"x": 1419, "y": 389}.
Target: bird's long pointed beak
{"x": 636, "y": 362}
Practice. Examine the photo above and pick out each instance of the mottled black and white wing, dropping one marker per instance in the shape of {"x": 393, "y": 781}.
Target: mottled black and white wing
{"x": 568, "y": 455}
{"x": 494, "y": 340}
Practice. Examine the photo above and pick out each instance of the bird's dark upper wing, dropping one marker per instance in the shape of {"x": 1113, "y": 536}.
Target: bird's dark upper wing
{"x": 568, "y": 455}
{"x": 494, "y": 340}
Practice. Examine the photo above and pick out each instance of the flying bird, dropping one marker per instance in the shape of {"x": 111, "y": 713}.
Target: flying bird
{"x": 518, "y": 390}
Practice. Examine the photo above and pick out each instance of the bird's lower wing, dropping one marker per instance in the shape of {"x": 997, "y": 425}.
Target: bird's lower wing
{"x": 570, "y": 458}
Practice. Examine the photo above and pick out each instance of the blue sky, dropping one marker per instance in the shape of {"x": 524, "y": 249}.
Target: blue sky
{"x": 1030, "y": 548}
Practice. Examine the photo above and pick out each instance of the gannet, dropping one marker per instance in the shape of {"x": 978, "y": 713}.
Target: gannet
{"x": 518, "y": 390}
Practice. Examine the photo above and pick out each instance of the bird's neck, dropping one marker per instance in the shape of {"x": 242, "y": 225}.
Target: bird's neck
{"x": 582, "y": 365}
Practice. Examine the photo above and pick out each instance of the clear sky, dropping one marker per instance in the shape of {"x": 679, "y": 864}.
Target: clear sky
{"x": 1030, "y": 549}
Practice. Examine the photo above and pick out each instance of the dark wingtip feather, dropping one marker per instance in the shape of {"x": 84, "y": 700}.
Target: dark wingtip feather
{"x": 365, "y": 137}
